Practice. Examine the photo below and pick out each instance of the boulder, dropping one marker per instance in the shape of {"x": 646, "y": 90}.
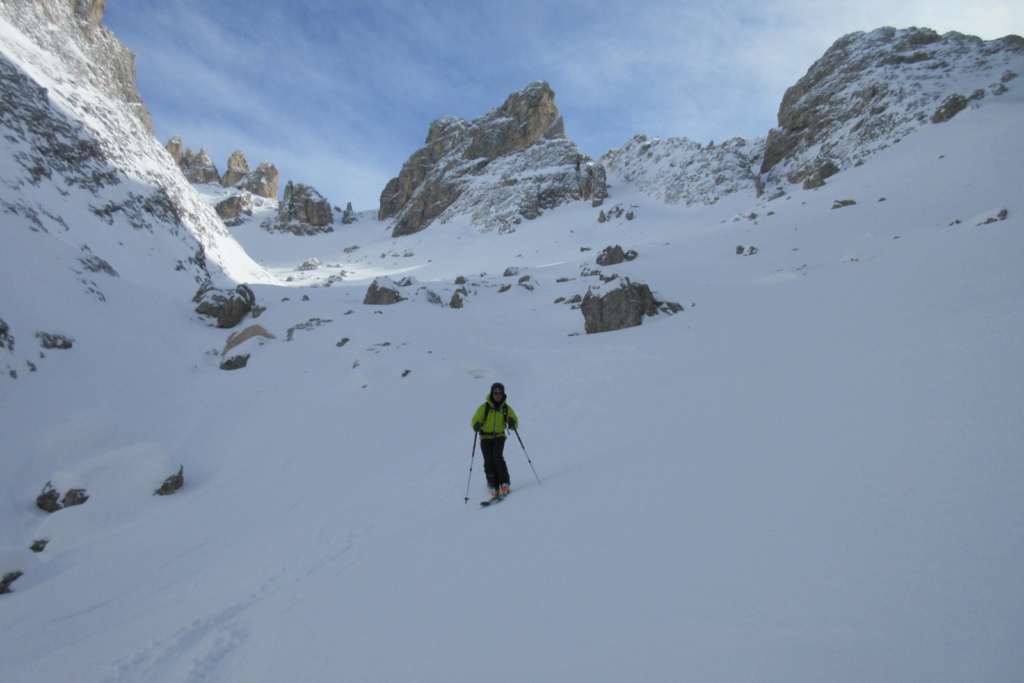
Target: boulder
{"x": 617, "y": 305}
{"x": 172, "y": 484}
{"x": 229, "y": 307}
{"x": 612, "y": 256}
{"x": 50, "y": 499}
{"x": 382, "y": 292}
{"x": 232, "y": 208}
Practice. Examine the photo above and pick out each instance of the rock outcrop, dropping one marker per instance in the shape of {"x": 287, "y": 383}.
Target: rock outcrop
{"x": 869, "y": 90}
{"x": 228, "y": 307}
{"x": 512, "y": 163}
{"x": 302, "y": 211}
{"x": 616, "y": 305}
{"x": 172, "y": 484}
{"x": 263, "y": 182}
{"x": 238, "y": 168}
{"x": 199, "y": 168}
{"x": 382, "y": 292}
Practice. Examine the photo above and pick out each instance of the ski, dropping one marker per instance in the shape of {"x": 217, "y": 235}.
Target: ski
{"x": 492, "y": 501}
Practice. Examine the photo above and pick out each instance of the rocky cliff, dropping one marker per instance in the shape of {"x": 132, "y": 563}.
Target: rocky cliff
{"x": 869, "y": 90}
{"x": 512, "y": 163}
{"x": 866, "y": 93}
{"x": 71, "y": 31}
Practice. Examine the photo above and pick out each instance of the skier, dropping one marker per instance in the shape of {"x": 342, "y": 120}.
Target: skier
{"x": 491, "y": 420}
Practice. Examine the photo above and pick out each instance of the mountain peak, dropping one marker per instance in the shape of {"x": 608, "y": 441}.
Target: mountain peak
{"x": 522, "y": 141}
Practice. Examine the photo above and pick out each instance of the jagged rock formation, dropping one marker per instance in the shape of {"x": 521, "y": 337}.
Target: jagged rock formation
{"x": 348, "y": 216}
{"x": 263, "y": 182}
{"x": 199, "y": 168}
{"x": 870, "y": 89}
{"x": 512, "y": 163}
{"x": 302, "y": 211}
{"x": 238, "y": 168}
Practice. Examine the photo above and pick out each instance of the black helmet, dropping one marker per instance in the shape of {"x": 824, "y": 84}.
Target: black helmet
{"x": 498, "y": 386}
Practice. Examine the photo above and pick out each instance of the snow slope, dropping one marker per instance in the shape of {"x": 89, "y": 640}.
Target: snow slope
{"x": 811, "y": 473}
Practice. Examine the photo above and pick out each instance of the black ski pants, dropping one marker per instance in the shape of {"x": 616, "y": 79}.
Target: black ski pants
{"x": 495, "y": 468}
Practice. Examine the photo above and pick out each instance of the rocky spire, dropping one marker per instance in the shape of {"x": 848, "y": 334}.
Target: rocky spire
{"x": 522, "y": 141}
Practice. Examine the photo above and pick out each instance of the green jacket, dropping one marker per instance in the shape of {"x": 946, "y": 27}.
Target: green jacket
{"x": 494, "y": 420}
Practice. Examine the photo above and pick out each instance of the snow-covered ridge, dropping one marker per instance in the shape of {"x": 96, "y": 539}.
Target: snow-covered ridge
{"x": 680, "y": 171}
{"x": 111, "y": 122}
{"x": 871, "y": 90}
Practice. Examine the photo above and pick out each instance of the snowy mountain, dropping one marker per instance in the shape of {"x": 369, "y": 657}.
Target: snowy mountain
{"x": 810, "y": 472}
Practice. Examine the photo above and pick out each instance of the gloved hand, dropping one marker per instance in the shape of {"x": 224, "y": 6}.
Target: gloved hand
{"x": 477, "y": 426}
{"x": 512, "y": 423}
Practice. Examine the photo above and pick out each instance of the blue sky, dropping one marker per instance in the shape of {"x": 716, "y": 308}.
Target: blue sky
{"x": 338, "y": 94}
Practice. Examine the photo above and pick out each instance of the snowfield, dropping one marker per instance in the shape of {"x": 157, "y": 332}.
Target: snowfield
{"x": 813, "y": 472}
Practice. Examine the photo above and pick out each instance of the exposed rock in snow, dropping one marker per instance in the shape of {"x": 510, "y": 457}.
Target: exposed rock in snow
{"x": 869, "y": 90}
{"x": 512, "y": 163}
{"x": 382, "y": 292}
{"x": 75, "y": 122}
{"x": 616, "y": 305}
{"x": 681, "y": 171}
{"x": 302, "y": 211}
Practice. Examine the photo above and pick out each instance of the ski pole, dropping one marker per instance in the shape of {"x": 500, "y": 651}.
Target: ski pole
{"x": 472, "y": 455}
{"x": 526, "y": 454}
